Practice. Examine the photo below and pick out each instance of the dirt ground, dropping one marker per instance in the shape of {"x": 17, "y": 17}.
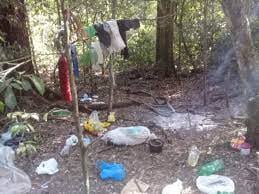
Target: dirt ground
{"x": 157, "y": 170}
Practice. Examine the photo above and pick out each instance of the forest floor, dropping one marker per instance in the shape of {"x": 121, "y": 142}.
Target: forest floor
{"x": 156, "y": 170}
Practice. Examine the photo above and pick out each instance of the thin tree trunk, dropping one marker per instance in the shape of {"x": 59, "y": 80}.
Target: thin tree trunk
{"x": 75, "y": 102}
{"x": 205, "y": 50}
{"x": 111, "y": 72}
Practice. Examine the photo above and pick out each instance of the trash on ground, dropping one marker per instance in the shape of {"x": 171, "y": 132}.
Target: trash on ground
{"x": 185, "y": 121}
{"x": 113, "y": 171}
{"x": 175, "y": 188}
{"x": 128, "y": 135}
{"x": 86, "y": 141}
{"x": 215, "y": 184}
{"x": 111, "y": 117}
{"x": 211, "y": 167}
{"x": 193, "y": 157}
{"x": 10, "y": 137}
{"x": 135, "y": 186}
{"x": 94, "y": 126}
{"x": 12, "y": 179}
{"x": 48, "y": 167}
{"x": 245, "y": 149}
{"x": 86, "y": 98}
{"x": 57, "y": 112}
{"x": 237, "y": 142}
{"x": 156, "y": 145}
{"x": 71, "y": 141}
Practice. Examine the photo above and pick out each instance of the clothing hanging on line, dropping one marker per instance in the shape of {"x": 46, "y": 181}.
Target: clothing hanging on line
{"x": 74, "y": 60}
{"x": 124, "y": 26}
{"x": 117, "y": 44}
{"x": 91, "y": 31}
{"x": 63, "y": 72}
{"x": 104, "y": 36}
{"x": 97, "y": 47}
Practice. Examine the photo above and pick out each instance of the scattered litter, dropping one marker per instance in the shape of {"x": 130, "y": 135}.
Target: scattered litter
{"x": 45, "y": 185}
{"x": 175, "y": 188}
{"x": 71, "y": 141}
{"x": 211, "y": 167}
{"x": 48, "y": 167}
{"x": 57, "y": 112}
{"x": 135, "y": 186}
{"x": 128, "y": 135}
{"x": 156, "y": 145}
{"x": 185, "y": 121}
{"x": 94, "y": 126}
{"x": 245, "y": 149}
{"x": 215, "y": 184}
{"x": 193, "y": 157}
{"x": 111, "y": 117}
{"x": 86, "y": 98}
{"x": 113, "y": 171}
{"x": 12, "y": 179}
{"x": 86, "y": 141}
{"x": 237, "y": 142}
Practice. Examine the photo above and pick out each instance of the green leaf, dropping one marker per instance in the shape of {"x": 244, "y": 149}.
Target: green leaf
{"x": 16, "y": 86}
{"x": 9, "y": 98}
{"x": 60, "y": 112}
{"x": 4, "y": 84}
{"x": 26, "y": 85}
{"x": 2, "y": 105}
{"x": 38, "y": 83}
{"x": 18, "y": 128}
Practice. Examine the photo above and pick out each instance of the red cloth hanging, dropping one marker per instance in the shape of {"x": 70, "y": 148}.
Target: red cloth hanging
{"x": 63, "y": 72}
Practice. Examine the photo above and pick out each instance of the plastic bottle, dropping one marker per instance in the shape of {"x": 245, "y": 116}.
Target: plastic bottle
{"x": 193, "y": 157}
{"x": 211, "y": 168}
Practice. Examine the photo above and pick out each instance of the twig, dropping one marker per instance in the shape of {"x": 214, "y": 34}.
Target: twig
{"x": 4, "y": 74}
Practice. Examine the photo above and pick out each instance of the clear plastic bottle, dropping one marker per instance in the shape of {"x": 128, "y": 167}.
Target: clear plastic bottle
{"x": 193, "y": 157}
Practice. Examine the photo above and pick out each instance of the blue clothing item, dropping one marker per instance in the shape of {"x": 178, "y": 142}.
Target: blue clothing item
{"x": 113, "y": 171}
{"x": 74, "y": 60}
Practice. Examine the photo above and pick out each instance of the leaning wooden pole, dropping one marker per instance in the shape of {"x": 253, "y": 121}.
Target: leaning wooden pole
{"x": 66, "y": 13}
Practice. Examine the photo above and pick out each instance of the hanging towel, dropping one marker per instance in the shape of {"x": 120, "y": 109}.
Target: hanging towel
{"x": 117, "y": 43}
{"x": 124, "y": 26}
{"x": 97, "y": 47}
{"x": 74, "y": 60}
{"x": 104, "y": 36}
{"x": 63, "y": 72}
{"x": 91, "y": 32}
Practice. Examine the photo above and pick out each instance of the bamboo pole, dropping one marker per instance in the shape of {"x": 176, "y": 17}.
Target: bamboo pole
{"x": 83, "y": 153}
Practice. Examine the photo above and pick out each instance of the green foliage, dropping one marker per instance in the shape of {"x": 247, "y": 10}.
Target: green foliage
{"x": 2, "y": 106}
{"x": 38, "y": 83}
{"x": 9, "y": 98}
{"x": 19, "y": 83}
{"x": 26, "y": 148}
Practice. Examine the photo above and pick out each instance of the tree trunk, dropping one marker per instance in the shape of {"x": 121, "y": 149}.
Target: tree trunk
{"x": 235, "y": 12}
{"x": 13, "y": 29}
{"x": 164, "y": 37}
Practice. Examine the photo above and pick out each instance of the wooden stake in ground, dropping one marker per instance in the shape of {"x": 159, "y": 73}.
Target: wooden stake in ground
{"x": 66, "y": 14}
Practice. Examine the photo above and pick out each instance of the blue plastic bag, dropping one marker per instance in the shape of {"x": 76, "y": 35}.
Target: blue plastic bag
{"x": 113, "y": 171}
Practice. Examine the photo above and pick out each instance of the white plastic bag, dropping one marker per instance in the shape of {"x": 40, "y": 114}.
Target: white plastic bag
{"x": 128, "y": 135}
{"x": 12, "y": 179}
{"x": 175, "y": 188}
{"x": 48, "y": 167}
{"x": 71, "y": 141}
{"x": 215, "y": 183}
